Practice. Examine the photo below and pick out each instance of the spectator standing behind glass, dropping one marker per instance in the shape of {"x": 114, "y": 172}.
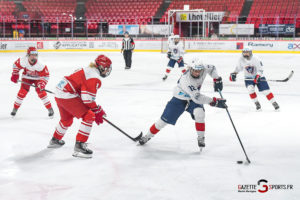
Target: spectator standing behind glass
{"x": 127, "y": 48}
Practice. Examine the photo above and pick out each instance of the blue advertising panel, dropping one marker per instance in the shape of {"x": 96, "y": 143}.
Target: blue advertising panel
{"x": 274, "y": 29}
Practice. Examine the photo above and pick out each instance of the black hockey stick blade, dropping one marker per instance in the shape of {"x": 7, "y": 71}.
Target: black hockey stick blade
{"x": 35, "y": 87}
{"x": 286, "y": 79}
{"x": 138, "y": 137}
{"x": 133, "y": 139}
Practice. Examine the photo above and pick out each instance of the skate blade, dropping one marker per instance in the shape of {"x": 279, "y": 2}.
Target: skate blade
{"x": 54, "y": 146}
{"x": 51, "y": 117}
{"x": 201, "y": 149}
{"x": 81, "y": 155}
{"x": 259, "y": 110}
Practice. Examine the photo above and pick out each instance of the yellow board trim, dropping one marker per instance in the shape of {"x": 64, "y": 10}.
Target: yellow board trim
{"x": 148, "y": 50}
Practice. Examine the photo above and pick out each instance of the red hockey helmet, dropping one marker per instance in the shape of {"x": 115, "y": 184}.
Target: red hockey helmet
{"x": 32, "y": 50}
{"x": 104, "y": 65}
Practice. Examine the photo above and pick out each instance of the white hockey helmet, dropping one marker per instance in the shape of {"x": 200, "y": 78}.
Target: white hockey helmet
{"x": 196, "y": 67}
{"x": 247, "y": 52}
{"x": 197, "y": 64}
{"x": 176, "y": 39}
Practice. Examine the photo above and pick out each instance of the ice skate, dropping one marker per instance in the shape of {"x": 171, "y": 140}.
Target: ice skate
{"x": 50, "y": 113}
{"x": 127, "y": 67}
{"x": 258, "y": 107}
{"x": 201, "y": 142}
{"x": 144, "y": 139}
{"x": 81, "y": 150}
{"x": 276, "y": 106}
{"x": 14, "y": 112}
{"x": 55, "y": 143}
{"x": 165, "y": 77}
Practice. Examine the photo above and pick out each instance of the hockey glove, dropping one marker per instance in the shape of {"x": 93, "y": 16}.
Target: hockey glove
{"x": 179, "y": 60}
{"x": 217, "y": 102}
{"x": 14, "y": 78}
{"x": 256, "y": 79}
{"x": 218, "y": 84}
{"x": 232, "y": 77}
{"x": 169, "y": 55}
{"x": 99, "y": 114}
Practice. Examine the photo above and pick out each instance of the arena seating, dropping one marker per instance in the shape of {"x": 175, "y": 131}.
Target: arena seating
{"x": 273, "y": 12}
{"x": 233, "y": 7}
{"x": 142, "y": 11}
{"x": 120, "y": 11}
{"x": 51, "y": 9}
{"x": 6, "y": 9}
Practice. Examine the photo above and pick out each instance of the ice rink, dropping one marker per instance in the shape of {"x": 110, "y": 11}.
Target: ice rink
{"x": 170, "y": 166}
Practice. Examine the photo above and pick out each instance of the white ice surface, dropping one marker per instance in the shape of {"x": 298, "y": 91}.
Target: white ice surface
{"x": 169, "y": 166}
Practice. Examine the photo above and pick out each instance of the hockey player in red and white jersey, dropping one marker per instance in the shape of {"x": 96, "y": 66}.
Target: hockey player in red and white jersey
{"x": 34, "y": 73}
{"x": 75, "y": 97}
{"x": 253, "y": 73}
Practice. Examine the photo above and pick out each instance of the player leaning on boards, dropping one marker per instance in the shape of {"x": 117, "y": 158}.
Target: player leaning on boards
{"x": 127, "y": 48}
{"x": 175, "y": 54}
{"x": 253, "y": 72}
{"x": 187, "y": 97}
{"x": 34, "y": 73}
{"x": 75, "y": 97}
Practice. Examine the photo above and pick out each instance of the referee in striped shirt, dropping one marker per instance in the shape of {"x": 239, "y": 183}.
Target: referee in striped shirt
{"x": 127, "y": 48}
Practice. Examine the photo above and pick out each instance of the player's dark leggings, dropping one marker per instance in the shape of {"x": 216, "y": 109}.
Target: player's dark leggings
{"x": 127, "y": 57}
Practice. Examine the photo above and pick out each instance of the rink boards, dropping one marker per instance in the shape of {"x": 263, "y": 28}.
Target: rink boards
{"x": 227, "y": 46}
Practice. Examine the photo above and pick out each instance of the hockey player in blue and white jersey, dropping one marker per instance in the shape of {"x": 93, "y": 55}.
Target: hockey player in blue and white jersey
{"x": 253, "y": 73}
{"x": 171, "y": 39}
{"x": 175, "y": 54}
{"x": 187, "y": 97}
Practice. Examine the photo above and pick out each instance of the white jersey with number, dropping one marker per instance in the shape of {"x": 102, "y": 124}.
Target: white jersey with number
{"x": 188, "y": 88}
{"x": 251, "y": 67}
{"x": 176, "y": 50}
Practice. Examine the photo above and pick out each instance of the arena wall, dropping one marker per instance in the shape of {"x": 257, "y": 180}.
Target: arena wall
{"x": 226, "y": 46}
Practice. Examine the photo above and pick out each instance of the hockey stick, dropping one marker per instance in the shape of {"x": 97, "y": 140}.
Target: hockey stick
{"x": 35, "y": 87}
{"x": 133, "y": 139}
{"x": 278, "y": 80}
{"x": 235, "y": 130}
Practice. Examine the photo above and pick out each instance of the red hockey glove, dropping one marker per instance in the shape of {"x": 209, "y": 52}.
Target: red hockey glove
{"x": 99, "y": 114}
{"x": 257, "y": 79}
{"x": 232, "y": 77}
{"x": 41, "y": 85}
{"x": 14, "y": 78}
{"x": 180, "y": 59}
{"x": 217, "y": 102}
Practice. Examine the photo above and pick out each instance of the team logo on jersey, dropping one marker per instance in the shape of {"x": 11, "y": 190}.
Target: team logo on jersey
{"x": 32, "y": 73}
{"x": 250, "y": 69}
{"x": 175, "y": 51}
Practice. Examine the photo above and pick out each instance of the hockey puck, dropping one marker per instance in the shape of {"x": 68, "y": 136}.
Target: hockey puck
{"x": 239, "y": 162}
